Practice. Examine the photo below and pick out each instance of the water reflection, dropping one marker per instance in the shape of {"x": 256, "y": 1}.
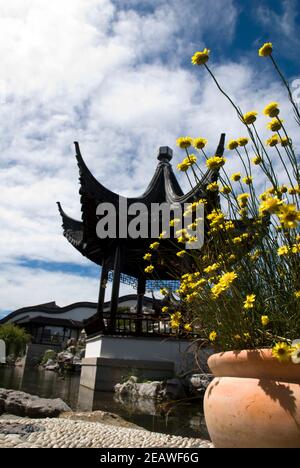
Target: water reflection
{"x": 41, "y": 383}
{"x": 184, "y": 419}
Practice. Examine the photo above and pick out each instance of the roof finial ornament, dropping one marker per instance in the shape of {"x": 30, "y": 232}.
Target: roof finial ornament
{"x": 165, "y": 154}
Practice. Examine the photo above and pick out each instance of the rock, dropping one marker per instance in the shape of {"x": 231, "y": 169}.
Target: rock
{"x": 174, "y": 389}
{"x": 72, "y": 350}
{"x": 71, "y": 342}
{"x": 23, "y": 404}
{"x": 50, "y": 362}
{"x": 19, "y": 362}
{"x": 10, "y": 360}
{"x": 100, "y": 416}
{"x": 76, "y": 361}
{"x": 150, "y": 389}
{"x": 2, "y": 405}
{"x": 198, "y": 383}
{"x": 52, "y": 368}
{"x": 46, "y": 408}
{"x": 65, "y": 356}
{"x": 127, "y": 389}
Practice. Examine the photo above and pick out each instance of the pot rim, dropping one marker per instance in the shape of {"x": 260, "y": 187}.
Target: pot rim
{"x": 253, "y": 363}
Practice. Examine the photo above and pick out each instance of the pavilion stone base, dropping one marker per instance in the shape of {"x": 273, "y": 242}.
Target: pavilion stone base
{"x": 111, "y": 359}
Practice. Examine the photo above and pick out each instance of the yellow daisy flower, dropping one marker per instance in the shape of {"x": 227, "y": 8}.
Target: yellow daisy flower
{"x": 266, "y": 49}
{"x": 282, "y": 351}
{"x": 272, "y": 109}
{"x": 200, "y": 58}
{"x": 250, "y": 117}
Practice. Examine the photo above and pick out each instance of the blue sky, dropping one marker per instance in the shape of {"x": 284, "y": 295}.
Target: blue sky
{"x": 115, "y": 75}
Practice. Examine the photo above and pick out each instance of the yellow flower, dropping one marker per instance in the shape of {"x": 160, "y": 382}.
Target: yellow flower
{"x": 147, "y": 256}
{"x": 266, "y": 49}
{"x": 275, "y": 125}
{"x": 272, "y": 109}
{"x": 284, "y": 250}
{"x": 181, "y": 232}
{"x": 257, "y": 160}
{"x": 264, "y": 320}
{"x": 236, "y": 176}
{"x": 273, "y": 140}
{"x": 297, "y": 294}
{"x": 283, "y": 189}
{"x": 183, "y": 166}
{"x": 149, "y": 269}
{"x": 175, "y": 319}
{"x": 154, "y": 246}
{"x": 202, "y": 201}
{"x": 295, "y": 354}
{"x": 199, "y": 143}
{"x": 224, "y": 283}
{"x": 282, "y": 352}
{"x": 213, "y": 187}
{"x": 233, "y": 144}
{"x": 237, "y": 240}
{"x": 285, "y": 141}
{"x": 249, "y": 302}
{"x": 250, "y": 117}
{"x": 243, "y": 141}
{"x": 184, "y": 142}
{"x": 162, "y": 235}
{"x": 272, "y": 190}
{"x": 242, "y": 199}
{"x": 228, "y": 278}
{"x": 164, "y": 292}
{"x": 226, "y": 189}
{"x": 216, "y": 218}
{"x": 165, "y": 309}
{"x": 289, "y": 216}
{"x": 229, "y": 225}
{"x": 271, "y": 205}
{"x": 190, "y": 159}
{"x": 213, "y": 336}
{"x": 200, "y": 58}
{"x": 217, "y": 290}
{"x": 187, "y": 162}
{"x": 174, "y": 221}
{"x": 181, "y": 253}
{"x": 248, "y": 180}
{"x": 211, "y": 268}
{"x": 215, "y": 162}
{"x": 188, "y": 327}
{"x": 296, "y": 248}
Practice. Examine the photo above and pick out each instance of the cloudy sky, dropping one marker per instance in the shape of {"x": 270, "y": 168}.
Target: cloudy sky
{"x": 116, "y": 76}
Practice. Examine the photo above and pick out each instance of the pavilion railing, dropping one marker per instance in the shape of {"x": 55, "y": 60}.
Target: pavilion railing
{"x": 146, "y": 325}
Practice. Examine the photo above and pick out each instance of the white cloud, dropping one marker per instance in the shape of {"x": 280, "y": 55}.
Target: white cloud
{"x": 113, "y": 79}
{"x": 21, "y": 287}
{"x": 282, "y": 27}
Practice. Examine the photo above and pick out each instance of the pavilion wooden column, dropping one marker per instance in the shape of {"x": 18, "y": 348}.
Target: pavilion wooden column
{"x": 139, "y": 307}
{"x": 101, "y": 298}
{"x": 114, "y": 302}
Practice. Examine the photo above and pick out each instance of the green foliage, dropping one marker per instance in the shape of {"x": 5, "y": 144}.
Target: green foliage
{"x": 243, "y": 287}
{"x": 15, "y": 338}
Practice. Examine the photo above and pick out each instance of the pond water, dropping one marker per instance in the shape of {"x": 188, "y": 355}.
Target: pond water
{"x": 184, "y": 419}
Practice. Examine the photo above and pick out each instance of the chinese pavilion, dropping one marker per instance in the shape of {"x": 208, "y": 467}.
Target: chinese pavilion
{"x": 121, "y": 259}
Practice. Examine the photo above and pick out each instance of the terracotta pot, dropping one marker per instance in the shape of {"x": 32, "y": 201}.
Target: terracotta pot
{"x": 253, "y": 401}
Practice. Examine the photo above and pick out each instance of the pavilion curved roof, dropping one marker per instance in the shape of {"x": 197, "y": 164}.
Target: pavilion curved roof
{"x": 163, "y": 188}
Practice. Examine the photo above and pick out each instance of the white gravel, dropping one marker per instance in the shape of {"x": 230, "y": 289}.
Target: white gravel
{"x": 63, "y": 433}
